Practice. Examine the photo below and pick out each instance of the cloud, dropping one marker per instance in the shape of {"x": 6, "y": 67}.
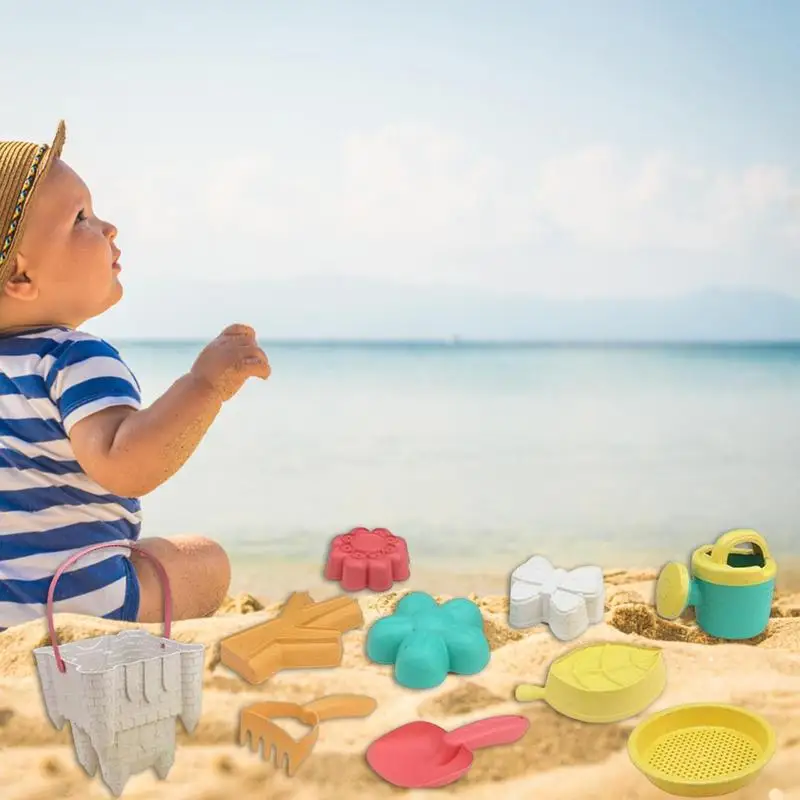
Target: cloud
{"x": 409, "y": 182}
{"x": 603, "y": 199}
{"x": 416, "y": 200}
{"x": 401, "y": 186}
{"x": 793, "y": 225}
{"x": 414, "y": 182}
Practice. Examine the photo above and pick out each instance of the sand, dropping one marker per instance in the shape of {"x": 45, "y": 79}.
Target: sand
{"x": 558, "y": 759}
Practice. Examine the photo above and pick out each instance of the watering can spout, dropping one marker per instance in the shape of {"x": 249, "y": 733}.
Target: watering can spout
{"x": 674, "y": 591}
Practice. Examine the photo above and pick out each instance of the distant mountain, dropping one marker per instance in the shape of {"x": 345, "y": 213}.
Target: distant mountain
{"x": 361, "y": 309}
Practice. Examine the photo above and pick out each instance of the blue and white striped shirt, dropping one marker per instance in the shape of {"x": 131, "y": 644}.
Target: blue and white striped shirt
{"x": 50, "y": 379}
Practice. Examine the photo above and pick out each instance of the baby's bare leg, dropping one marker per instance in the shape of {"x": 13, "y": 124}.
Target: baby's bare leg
{"x": 199, "y": 577}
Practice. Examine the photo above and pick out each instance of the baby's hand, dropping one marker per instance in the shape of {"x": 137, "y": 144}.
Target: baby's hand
{"x": 228, "y": 361}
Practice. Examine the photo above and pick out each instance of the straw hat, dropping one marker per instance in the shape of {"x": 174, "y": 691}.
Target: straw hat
{"x": 23, "y": 166}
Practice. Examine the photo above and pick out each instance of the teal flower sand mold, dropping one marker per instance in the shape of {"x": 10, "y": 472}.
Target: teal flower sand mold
{"x": 425, "y": 641}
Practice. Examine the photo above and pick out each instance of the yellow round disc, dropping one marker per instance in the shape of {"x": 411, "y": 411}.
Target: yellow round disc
{"x": 672, "y": 590}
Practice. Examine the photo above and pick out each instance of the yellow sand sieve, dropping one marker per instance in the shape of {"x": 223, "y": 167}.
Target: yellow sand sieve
{"x": 701, "y": 750}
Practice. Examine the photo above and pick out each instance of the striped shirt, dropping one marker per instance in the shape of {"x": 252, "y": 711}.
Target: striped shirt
{"x": 50, "y": 379}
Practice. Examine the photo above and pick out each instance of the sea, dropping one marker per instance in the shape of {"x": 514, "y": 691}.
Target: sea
{"x": 481, "y": 455}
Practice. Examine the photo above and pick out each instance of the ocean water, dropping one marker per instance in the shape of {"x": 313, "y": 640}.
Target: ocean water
{"x": 483, "y": 454}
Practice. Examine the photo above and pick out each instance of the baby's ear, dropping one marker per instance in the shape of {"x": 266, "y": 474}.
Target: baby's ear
{"x": 19, "y": 285}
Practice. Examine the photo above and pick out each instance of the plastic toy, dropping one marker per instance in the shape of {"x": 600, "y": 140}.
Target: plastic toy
{"x": 731, "y": 589}
{"x": 701, "y": 750}
{"x": 365, "y": 559}
{"x": 304, "y": 635}
{"x": 423, "y": 755}
{"x": 121, "y": 694}
{"x": 567, "y": 601}
{"x": 425, "y": 640}
{"x": 258, "y": 720}
{"x": 601, "y": 682}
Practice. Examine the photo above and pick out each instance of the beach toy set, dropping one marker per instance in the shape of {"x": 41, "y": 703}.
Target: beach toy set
{"x": 367, "y": 559}
{"x": 258, "y": 723}
{"x": 421, "y": 755}
{"x": 567, "y": 601}
{"x": 601, "y": 682}
{"x": 731, "y": 586}
{"x": 121, "y": 694}
{"x": 692, "y": 750}
{"x": 304, "y": 635}
{"x": 425, "y": 641}
{"x": 702, "y": 749}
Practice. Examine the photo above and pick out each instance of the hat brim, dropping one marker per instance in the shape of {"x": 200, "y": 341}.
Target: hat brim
{"x": 53, "y": 152}
{"x": 58, "y": 142}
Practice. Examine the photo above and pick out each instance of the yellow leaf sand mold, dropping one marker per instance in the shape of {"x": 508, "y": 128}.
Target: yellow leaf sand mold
{"x": 601, "y": 682}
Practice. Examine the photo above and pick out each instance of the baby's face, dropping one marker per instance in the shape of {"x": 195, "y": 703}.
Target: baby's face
{"x": 67, "y": 266}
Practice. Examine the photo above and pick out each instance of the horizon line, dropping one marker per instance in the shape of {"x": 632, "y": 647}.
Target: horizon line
{"x": 464, "y": 342}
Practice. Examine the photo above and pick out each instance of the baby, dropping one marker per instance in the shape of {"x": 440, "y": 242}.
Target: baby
{"x": 76, "y": 448}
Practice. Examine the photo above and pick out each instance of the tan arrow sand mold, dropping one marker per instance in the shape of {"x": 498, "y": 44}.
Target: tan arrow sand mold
{"x": 304, "y": 635}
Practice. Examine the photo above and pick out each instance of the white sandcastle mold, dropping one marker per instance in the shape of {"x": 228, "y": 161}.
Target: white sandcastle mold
{"x": 121, "y": 694}
{"x": 568, "y": 601}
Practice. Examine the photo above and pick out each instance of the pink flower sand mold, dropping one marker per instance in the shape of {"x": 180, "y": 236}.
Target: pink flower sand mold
{"x": 365, "y": 559}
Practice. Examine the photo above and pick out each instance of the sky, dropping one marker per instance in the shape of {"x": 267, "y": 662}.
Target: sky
{"x": 594, "y": 148}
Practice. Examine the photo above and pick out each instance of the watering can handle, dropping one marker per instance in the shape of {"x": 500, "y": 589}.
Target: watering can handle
{"x": 728, "y": 541}
{"x": 162, "y": 574}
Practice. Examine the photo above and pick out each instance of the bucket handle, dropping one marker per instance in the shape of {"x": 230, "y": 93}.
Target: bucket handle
{"x": 162, "y": 574}
{"x": 732, "y": 539}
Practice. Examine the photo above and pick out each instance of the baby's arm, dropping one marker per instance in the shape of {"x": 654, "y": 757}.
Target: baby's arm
{"x": 130, "y": 452}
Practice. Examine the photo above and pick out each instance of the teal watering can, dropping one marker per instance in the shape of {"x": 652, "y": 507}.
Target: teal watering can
{"x": 730, "y": 588}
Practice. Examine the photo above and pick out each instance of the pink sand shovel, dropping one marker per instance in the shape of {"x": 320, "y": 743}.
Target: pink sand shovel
{"x": 421, "y": 755}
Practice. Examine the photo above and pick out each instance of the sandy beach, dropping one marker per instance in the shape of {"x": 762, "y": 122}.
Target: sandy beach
{"x": 558, "y": 759}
